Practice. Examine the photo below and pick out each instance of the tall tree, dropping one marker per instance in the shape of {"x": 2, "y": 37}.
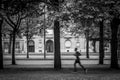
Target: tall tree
{"x": 7, "y": 31}
{"x": 114, "y": 42}
{"x": 57, "y": 56}
{"x": 56, "y": 6}
{"x": 29, "y": 28}
{"x": 101, "y": 56}
{"x": 112, "y": 9}
{"x": 13, "y": 12}
{"x": 10, "y": 8}
{"x": 84, "y": 15}
{"x": 1, "y": 51}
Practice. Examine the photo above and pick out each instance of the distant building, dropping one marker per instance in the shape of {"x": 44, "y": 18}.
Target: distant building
{"x": 36, "y": 44}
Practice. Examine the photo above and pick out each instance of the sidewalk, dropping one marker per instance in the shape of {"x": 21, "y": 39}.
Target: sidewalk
{"x": 89, "y": 66}
{"x": 92, "y": 68}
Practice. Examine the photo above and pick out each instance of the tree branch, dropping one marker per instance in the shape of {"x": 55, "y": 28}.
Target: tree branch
{"x": 2, "y": 16}
{"x": 10, "y": 21}
{"x": 18, "y": 21}
{"x": 24, "y": 16}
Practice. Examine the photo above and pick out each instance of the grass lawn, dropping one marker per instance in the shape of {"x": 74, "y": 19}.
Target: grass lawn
{"x": 64, "y": 74}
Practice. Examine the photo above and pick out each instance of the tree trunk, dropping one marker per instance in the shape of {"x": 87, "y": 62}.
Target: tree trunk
{"x": 57, "y": 56}
{"x": 87, "y": 43}
{"x": 101, "y": 49}
{"x": 13, "y": 48}
{"x": 114, "y": 29}
{"x": 1, "y": 51}
{"x": 94, "y": 46}
{"x": 10, "y": 44}
{"x": 27, "y": 48}
{"x": 27, "y": 37}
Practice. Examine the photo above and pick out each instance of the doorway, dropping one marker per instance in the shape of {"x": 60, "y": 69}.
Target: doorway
{"x": 31, "y": 46}
{"x": 49, "y": 46}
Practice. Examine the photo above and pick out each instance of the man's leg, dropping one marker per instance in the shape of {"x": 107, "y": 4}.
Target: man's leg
{"x": 83, "y": 67}
{"x": 75, "y": 66}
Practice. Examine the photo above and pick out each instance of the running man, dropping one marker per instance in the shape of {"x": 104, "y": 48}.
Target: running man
{"x": 77, "y": 60}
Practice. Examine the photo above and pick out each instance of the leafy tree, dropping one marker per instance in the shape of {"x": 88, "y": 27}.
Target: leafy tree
{"x": 13, "y": 12}
{"x": 1, "y": 51}
{"x": 57, "y": 57}
{"x": 57, "y": 10}
{"x": 84, "y": 17}
{"x": 29, "y": 28}
{"x": 109, "y": 9}
{"x": 98, "y": 10}
{"x": 7, "y": 34}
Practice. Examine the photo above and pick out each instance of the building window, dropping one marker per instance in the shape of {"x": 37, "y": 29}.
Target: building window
{"x": 6, "y": 44}
{"x": 49, "y": 46}
{"x": 17, "y": 45}
{"x": 31, "y": 43}
{"x": 22, "y": 46}
{"x": 31, "y": 46}
{"x": 68, "y": 44}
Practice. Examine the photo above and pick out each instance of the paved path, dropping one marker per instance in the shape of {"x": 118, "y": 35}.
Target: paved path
{"x": 52, "y": 66}
{"x": 46, "y": 72}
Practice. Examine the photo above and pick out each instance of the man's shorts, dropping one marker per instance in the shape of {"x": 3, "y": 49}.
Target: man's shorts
{"x": 77, "y": 61}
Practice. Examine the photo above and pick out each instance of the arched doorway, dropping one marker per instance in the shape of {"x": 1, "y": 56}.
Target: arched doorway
{"x": 31, "y": 46}
{"x": 49, "y": 46}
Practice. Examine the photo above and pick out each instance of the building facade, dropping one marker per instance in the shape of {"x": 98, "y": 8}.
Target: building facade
{"x": 36, "y": 45}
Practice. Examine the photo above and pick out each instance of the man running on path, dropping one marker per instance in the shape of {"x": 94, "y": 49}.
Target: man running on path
{"x": 77, "y": 60}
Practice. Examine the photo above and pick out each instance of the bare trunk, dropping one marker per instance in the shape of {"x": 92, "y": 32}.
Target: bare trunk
{"x": 1, "y": 51}
{"x": 94, "y": 46}
{"x": 10, "y": 44}
{"x": 27, "y": 49}
{"x": 87, "y": 43}
{"x": 27, "y": 45}
{"x": 27, "y": 36}
{"x": 101, "y": 49}
{"x": 13, "y": 48}
{"x": 114, "y": 29}
{"x": 57, "y": 56}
